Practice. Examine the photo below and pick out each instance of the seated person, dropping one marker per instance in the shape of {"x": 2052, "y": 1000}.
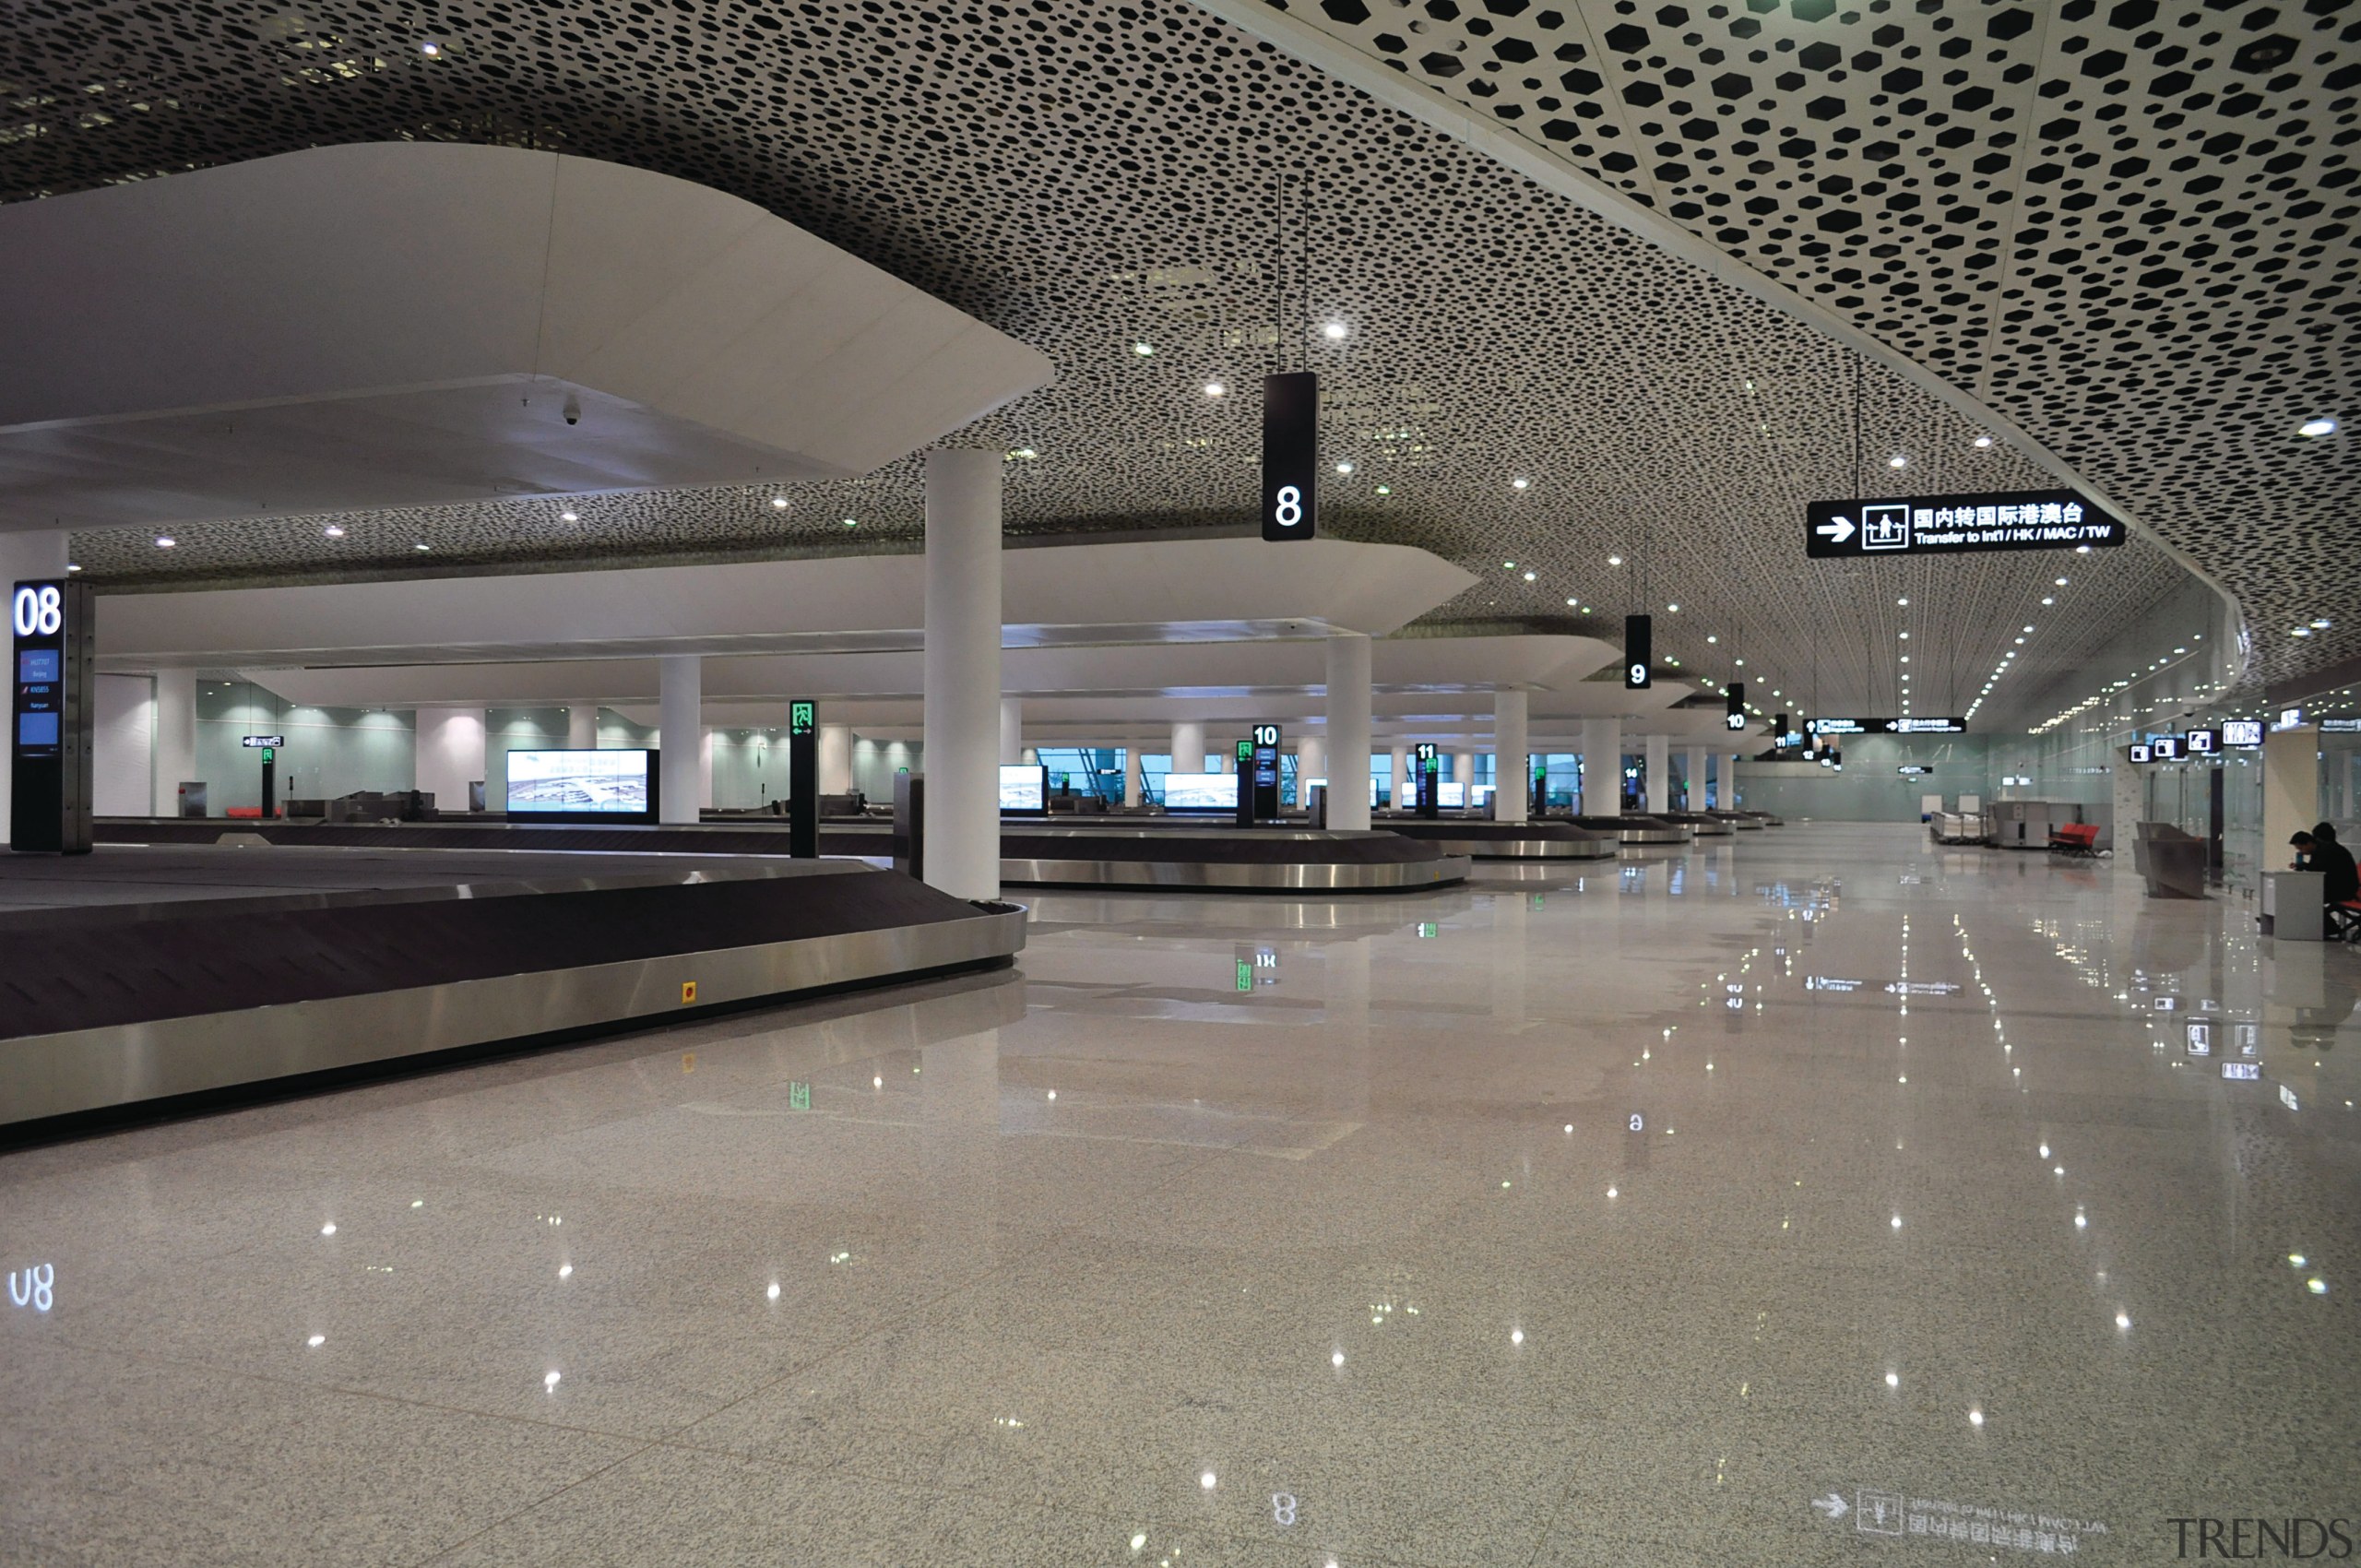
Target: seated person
{"x": 2340, "y": 881}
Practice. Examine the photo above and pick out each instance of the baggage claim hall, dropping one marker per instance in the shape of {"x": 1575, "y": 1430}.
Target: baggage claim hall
{"x": 1206, "y": 784}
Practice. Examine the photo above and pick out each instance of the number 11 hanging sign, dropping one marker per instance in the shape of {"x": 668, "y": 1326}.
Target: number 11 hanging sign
{"x": 1290, "y": 455}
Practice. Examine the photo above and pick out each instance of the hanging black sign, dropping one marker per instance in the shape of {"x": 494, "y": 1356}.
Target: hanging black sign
{"x": 1734, "y": 718}
{"x": 1638, "y": 653}
{"x": 1290, "y": 455}
{"x": 1954, "y": 525}
{"x": 50, "y": 722}
{"x": 1909, "y": 724}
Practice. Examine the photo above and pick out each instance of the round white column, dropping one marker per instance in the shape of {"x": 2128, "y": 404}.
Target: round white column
{"x": 176, "y": 738}
{"x": 1462, "y": 770}
{"x": 582, "y": 727}
{"x": 1348, "y": 660}
{"x": 1398, "y": 792}
{"x": 1659, "y": 781}
{"x": 1513, "y": 785}
{"x": 835, "y": 759}
{"x": 963, "y": 634}
{"x": 680, "y": 736}
{"x": 452, "y": 754}
{"x": 1694, "y": 779}
{"x": 1134, "y": 780}
{"x": 1311, "y": 762}
{"x": 1012, "y": 730}
{"x": 1188, "y": 746}
{"x": 1602, "y": 768}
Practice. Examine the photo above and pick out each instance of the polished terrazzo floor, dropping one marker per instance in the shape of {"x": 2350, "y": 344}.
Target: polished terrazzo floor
{"x": 1813, "y": 1197}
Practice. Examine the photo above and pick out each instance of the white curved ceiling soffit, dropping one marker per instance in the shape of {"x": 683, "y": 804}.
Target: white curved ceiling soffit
{"x": 1090, "y": 178}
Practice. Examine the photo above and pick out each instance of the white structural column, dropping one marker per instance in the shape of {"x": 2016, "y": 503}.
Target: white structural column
{"x": 1659, "y": 795}
{"x": 1602, "y": 768}
{"x": 962, "y": 633}
{"x": 1188, "y": 746}
{"x": 835, "y": 759}
{"x": 680, "y": 711}
{"x": 1695, "y": 780}
{"x": 1012, "y": 730}
{"x": 451, "y": 754}
{"x": 176, "y": 738}
{"x": 582, "y": 727}
{"x": 1399, "y": 794}
{"x": 1311, "y": 762}
{"x": 1514, "y": 784}
{"x": 1348, "y": 666}
{"x": 1135, "y": 774}
{"x": 25, "y": 557}
{"x": 705, "y": 765}
{"x": 1463, "y": 767}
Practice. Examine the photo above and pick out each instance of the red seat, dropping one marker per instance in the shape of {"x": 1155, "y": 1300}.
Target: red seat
{"x": 2075, "y": 838}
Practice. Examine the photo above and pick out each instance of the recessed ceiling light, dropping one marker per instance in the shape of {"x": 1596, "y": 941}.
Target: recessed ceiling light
{"x": 778, "y": 503}
{"x": 421, "y": 544}
{"x": 2317, "y": 427}
{"x": 2046, "y": 600}
{"x": 1528, "y": 577}
{"x": 1214, "y": 389}
{"x": 1570, "y": 602}
{"x": 1984, "y": 440}
{"x": 1615, "y": 560}
{"x": 1143, "y": 349}
{"x": 1897, "y": 461}
{"x": 334, "y": 530}
{"x": 1334, "y": 332}
{"x": 1344, "y": 467}
{"x": 72, "y": 567}
{"x": 570, "y": 515}
{"x": 165, "y": 541}
{"x": 1672, "y": 610}
{"x": 2322, "y": 624}
{"x": 1385, "y": 490}
{"x": 430, "y": 49}
{"x": 1520, "y": 482}
{"x": 1713, "y": 640}
{"x": 1903, "y": 600}
{"x": 2060, "y": 582}
{"x": 852, "y": 522}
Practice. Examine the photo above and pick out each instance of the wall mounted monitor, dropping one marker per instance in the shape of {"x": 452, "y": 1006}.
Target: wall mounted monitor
{"x": 2139, "y": 752}
{"x": 1201, "y": 793}
{"x": 1025, "y": 789}
{"x": 2164, "y": 748}
{"x": 583, "y": 786}
{"x": 1453, "y": 794}
{"x": 2202, "y": 742}
{"x": 2243, "y": 734}
{"x": 1479, "y": 795}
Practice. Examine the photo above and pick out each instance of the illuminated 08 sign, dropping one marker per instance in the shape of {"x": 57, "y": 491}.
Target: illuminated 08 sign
{"x": 37, "y": 610}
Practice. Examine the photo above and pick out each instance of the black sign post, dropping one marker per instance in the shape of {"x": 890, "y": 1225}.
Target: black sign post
{"x": 1429, "y": 760}
{"x": 1638, "y": 653}
{"x": 803, "y": 780}
{"x": 1958, "y": 525}
{"x": 1291, "y": 455}
{"x": 1734, "y": 718}
{"x": 50, "y": 731}
{"x": 1263, "y": 759}
{"x": 269, "y": 745}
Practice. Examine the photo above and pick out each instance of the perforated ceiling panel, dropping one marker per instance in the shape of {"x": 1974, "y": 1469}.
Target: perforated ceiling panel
{"x": 1099, "y": 179}
{"x": 2126, "y": 226}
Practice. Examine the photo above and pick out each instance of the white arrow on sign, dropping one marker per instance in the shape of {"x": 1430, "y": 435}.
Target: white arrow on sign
{"x": 1836, "y": 532}
{"x": 1832, "y": 1505}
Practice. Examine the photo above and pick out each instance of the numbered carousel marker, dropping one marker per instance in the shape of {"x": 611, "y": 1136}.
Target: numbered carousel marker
{"x": 1283, "y": 1509}
{"x": 38, "y": 611}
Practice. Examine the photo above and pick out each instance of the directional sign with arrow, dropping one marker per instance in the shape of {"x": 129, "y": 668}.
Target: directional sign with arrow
{"x": 1959, "y": 524}
{"x": 1832, "y": 1507}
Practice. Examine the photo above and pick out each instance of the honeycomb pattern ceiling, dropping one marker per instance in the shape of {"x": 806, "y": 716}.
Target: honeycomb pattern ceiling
{"x": 1105, "y": 183}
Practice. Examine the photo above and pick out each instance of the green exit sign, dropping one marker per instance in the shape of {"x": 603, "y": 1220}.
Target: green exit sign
{"x": 1245, "y": 974}
{"x": 803, "y": 717}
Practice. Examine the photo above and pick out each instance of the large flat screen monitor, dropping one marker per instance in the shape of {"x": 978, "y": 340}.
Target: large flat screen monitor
{"x": 1024, "y": 789}
{"x": 1453, "y": 795}
{"x": 1479, "y": 795}
{"x": 1201, "y": 793}
{"x": 602, "y": 785}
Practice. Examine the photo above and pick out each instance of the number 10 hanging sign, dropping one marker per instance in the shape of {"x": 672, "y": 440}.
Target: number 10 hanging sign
{"x": 1290, "y": 455}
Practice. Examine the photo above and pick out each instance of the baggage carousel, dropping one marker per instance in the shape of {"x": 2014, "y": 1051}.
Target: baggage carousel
{"x": 1636, "y": 832}
{"x": 1482, "y": 839}
{"x": 1178, "y": 854}
{"x": 1704, "y": 825}
{"x": 173, "y": 974}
